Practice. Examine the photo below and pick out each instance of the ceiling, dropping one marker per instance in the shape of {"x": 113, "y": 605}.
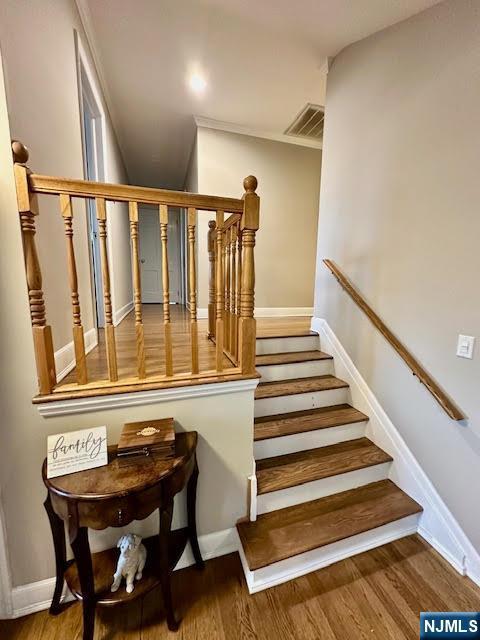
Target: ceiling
{"x": 263, "y": 61}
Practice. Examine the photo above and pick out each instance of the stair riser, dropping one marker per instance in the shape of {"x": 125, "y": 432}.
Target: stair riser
{"x": 300, "y": 402}
{"x": 270, "y": 373}
{"x": 287, "y": 345}
{"x": 308, "y": 440}
{"x": 304, "y": 563}
{"x": 320, "y": 488}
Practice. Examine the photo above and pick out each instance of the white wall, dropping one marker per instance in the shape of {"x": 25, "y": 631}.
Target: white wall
{"x": 44, "y": 113}
{"x": 399, "y": 214}
{"x": 288, "y": 185}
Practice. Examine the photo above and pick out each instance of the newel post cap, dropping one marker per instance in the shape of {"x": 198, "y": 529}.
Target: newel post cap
{"x": 250, "y": 184}
{"x": 19, "y": 152}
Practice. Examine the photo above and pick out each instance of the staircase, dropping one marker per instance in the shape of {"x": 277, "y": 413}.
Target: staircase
{"x": 323, "y": 492}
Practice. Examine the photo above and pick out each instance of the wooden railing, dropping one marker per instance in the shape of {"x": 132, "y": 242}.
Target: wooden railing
{"x": 231, "y": 323}
{"x": 417, "y": 369}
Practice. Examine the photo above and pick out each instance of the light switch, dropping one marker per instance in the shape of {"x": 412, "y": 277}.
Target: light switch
{"x": 465, "y": 346}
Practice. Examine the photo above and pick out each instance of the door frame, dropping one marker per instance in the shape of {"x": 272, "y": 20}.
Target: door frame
{"x": 89, "y": 93}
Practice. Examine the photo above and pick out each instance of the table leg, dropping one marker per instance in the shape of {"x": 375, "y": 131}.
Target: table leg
{"x": 165, "y": 570}
{"x": 83, "y": 559}
{"x": 191, "y": 515}
{"x": 58, "y": 535}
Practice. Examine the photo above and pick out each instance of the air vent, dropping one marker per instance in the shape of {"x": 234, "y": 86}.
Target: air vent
{"x": 308, "y": 123}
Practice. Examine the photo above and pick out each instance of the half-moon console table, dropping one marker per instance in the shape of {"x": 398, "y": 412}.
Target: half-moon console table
{"x": 113, "y": 496}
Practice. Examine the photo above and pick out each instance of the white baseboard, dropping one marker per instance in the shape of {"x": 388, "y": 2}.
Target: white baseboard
{"x": 272, "y": 312}
{"x": 120, "y": 314}
{"x": 269, "y": 312}
{"x": 36, "y": 596}
{"x": 437, "y": 524}
{"x": 65, "y": 357}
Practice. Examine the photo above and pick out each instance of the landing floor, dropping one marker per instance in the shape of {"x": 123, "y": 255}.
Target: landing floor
{"x": 376, "y": 595}
{"x": 155, "y": 344}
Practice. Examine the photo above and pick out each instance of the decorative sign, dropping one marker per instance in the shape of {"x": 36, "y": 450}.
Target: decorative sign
{"x": 76, "y": 451}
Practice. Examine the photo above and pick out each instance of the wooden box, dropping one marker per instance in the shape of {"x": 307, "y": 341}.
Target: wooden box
{"x": 140, "y": 440}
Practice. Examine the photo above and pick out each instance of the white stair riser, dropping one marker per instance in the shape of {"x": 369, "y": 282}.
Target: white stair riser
{"x": 307, "y": 440}
{"x": 300, "y": 401}
{"x": 308, "y": 369}
{"x": 320, "y": 488}
{"x": 304, "y": 563}
{"x": 287, "y": 345}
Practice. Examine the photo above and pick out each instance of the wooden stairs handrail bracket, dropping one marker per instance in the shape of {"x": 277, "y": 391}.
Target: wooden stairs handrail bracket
{"x": 417, "y": 369}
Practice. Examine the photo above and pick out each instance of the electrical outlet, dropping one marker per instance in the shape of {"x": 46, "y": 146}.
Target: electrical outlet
{"x": 465, "y": 346}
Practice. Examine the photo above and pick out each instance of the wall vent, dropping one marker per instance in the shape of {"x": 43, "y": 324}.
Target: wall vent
{"x": 308, "y": 123}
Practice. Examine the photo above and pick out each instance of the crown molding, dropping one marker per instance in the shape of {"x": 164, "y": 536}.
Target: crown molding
{"x": 230, "y": 127}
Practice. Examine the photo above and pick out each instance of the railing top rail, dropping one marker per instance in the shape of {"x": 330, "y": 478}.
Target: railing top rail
{"x": 128, "y": 193}
{"x": 417, "y": 369}
{"x": 229, "y": 222}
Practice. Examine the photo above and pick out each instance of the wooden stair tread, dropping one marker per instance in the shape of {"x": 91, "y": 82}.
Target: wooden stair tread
{"x": 291, "y": 357}
{"x": 287, "y": 424}
{"x": 289, "y": 334}
{"x": 298, "y": 385}
{"x": 288, "y": 532}
{"x": 292, "y": 469}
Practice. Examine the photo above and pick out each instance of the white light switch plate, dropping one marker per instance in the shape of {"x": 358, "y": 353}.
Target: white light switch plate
{"x": 465, "y": 346}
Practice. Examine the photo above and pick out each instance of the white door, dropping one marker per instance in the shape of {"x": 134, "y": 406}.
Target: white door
{"x": 151, "y": 256}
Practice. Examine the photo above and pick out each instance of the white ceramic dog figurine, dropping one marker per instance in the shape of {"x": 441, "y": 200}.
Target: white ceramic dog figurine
{"x": 131, "y": 562}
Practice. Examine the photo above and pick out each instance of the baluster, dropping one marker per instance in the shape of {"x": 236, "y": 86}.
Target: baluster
{"x": 227, "y": 287}
{"x": 239, "y": 289}
{"x": 212, "y": 276}
{"x": 42, "y": 333}
{"x": 249, "y": 226}
{"x": 192, "y": 214}
{"x": 220, "y": 291}
{"x": 233, "y": 287}
{"x": 78, "y": 337}
{"x": 137, "y": 290}
{"x": 107, "y": 298}
{"x": 166, "y": 291}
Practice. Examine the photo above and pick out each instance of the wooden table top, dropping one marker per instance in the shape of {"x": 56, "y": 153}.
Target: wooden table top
{"x": 118, "y": 479}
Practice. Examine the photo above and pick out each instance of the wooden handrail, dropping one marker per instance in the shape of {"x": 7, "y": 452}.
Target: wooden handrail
{"x": 231, "y": 320}
{"x": 128, "y": 193}
{"x": 424, "y": 377}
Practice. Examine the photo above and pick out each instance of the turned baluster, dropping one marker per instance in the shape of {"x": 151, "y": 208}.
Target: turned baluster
{"x": 239, "y": 288}
{"x": 137, "y": 290}
{"x": 42, "y": 333}
{"x": 78, "y": 337}
{"x": 220, "y": 292}
{"x": 212, "y": 276}
{"x": 233, "y": 288}
{"x": 247, "y": 325}
{"x": 107, "y": 298}
{"x": 192, "y": 281}
{"x": 166, "y": 290}
{"x": 227, "y": 287}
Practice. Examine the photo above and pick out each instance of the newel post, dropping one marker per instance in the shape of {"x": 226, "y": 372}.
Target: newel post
{"x": 211, "y": 279}
{"x": 247, "y": 325}
{"x": 42, "y": 333}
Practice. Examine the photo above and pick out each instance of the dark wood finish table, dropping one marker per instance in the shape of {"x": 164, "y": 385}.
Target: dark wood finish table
{"x": 113, "y": 496}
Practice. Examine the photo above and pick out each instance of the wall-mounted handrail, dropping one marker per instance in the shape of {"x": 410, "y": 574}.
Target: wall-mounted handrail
{"x": 417, "y": 369}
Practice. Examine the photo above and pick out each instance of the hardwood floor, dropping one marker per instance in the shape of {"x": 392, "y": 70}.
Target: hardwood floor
{"x": 375, "y": 595}
{"x": 155, "y": 342}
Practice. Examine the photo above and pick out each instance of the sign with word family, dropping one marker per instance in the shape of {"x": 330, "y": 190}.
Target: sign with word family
{"x": 76, "y": 451}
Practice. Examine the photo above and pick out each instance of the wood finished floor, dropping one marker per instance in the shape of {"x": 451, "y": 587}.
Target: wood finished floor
{"x": 155, "y": 343}
{"x": 378, "y": 594}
